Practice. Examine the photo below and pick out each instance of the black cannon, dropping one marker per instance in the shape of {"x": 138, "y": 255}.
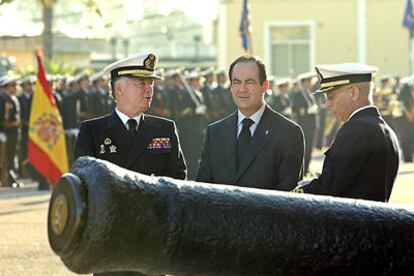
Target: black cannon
{"x": 105, "y": 218}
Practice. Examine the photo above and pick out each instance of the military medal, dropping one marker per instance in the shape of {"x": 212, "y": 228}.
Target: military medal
{"x": 102, "y": 151}
{"x": 112, "y": 149}
{"x": 107, "y": 141}
{"x": 160, "y": 143}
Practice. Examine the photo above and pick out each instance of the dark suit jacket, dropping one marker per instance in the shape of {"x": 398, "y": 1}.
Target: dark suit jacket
{"x": 273, "y": 159}
{"x": 362, "y": 162}
{"x": 107, "y": 138}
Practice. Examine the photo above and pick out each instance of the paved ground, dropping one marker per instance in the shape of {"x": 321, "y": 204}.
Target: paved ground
{"x": 24, "y": 248}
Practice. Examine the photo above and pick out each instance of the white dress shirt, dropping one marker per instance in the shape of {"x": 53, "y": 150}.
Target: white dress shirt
{"x": 255, "y": 118}
{"x": 124, "y": 118}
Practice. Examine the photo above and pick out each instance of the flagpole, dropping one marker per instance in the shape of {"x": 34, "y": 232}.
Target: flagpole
{"x": 250, "y": 33}
{"x": 245, "y": 29}
{"x": 250, "y": 44}
{"x": 408, "y": 22}
{"x": 411, "y": 47}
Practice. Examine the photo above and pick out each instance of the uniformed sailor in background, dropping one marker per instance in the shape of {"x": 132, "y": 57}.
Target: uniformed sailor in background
{"x": 12, "y": 124}
{"x": 306, "y": 111}
{"x": 281, "y": 101}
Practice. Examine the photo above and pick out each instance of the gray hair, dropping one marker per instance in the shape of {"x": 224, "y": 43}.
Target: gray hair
{"x": 367, "y": 89}
{"x": 121, "y": 80}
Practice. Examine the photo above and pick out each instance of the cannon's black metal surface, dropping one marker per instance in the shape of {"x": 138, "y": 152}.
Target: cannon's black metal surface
{"x": 121, "y": 220}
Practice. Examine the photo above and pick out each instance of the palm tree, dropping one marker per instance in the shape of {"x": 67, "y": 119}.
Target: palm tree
{"x": 47, "y": 35}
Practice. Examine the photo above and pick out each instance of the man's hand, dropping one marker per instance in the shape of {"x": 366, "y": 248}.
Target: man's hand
{"x": 299, "y": 189}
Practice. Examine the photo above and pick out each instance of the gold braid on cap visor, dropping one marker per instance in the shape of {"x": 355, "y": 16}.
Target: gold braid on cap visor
{"x": 136, "y": 72}
{"x": 335, "y": 83}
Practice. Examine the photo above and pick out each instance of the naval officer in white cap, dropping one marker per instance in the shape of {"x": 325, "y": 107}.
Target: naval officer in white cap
{"x": 128, "y": 137}
{"x": 362, "y": 162}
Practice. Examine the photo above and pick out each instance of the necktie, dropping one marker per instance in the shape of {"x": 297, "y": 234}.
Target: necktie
{"x": 243, "y": 140}
{"x": 132, "y": 127}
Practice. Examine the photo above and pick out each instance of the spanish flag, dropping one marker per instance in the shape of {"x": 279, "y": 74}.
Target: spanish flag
{"x": 46, "y": 146}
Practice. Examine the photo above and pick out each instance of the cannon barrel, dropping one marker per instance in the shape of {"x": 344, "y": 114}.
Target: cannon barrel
{"x": 105, "y": 218}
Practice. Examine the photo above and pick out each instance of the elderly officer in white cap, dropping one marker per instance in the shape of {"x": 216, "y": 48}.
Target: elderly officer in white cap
{"x": 362, "y": 162}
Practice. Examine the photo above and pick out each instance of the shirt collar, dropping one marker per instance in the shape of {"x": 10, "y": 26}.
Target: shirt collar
{"x": 255, "y": 117}
{"x": 124, "y": 118}
{"x": 360, "y": 109}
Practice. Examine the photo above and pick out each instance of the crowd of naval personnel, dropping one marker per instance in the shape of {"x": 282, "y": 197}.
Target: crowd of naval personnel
{"x": 193, "y": 98}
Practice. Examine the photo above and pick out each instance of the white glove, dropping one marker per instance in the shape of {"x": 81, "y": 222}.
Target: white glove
{"x": 298, "y": 189}
{"x": 201, "y": 109}
{"x": 313, "y": 109}
{"x": 3, "y": 137}
{"x": 304, "y": 183}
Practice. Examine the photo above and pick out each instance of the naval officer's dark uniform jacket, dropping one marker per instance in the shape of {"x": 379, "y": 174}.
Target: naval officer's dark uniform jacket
{"x": 155, "y": 150}
{"x": 362, "y": 162}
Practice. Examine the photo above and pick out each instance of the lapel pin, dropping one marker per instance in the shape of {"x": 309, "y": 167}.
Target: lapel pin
{"x": 266, "y": 132}
{"x": 107, "y": 141}
{"x": 102, "y": 151}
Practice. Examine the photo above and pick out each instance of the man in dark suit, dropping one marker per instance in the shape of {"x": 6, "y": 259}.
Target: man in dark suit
{"x": 362, "y": 162}
{"x": 255, "y": 146}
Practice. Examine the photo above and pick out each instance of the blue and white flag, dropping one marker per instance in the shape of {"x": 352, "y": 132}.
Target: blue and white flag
{"x": 408, "y": 20}
{"x": 245, "y": 29}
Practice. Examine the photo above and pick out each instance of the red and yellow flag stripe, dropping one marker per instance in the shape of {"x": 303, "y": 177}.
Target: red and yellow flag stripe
{"x": 47, "y": 145}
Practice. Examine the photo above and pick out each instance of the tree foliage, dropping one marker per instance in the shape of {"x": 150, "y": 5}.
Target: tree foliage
{"x": 5, "y": 1}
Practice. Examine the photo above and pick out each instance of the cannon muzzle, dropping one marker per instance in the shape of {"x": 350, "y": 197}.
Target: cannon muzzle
{"x": 105, "y": 218}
